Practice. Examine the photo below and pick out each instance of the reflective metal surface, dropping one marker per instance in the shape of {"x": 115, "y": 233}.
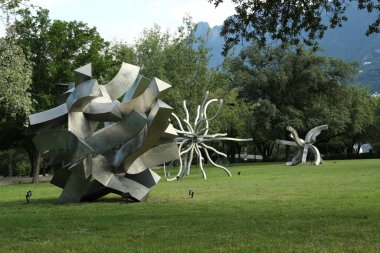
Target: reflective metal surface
{"x": 192, "y": 139}
{"x": 50, "y": 118}
{"x": 304, "y": 145}
{"x": 135, "y": 136}
{"x": 122, "y": 81}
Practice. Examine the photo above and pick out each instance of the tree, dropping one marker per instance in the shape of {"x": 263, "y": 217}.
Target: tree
{"x": 57, "y": 48}
{"x": 173, "y": 59}
{"x": 289, "y": 21}
{"x": 15, "y": 71}
{"x": 374, "y": 130}
{"x": 181, "y": 60}
{"x": 291, "y": 87}
{"x": 15, "y": 79}
{"x": 361, "y": 107}
{"x": 15, "y": 99}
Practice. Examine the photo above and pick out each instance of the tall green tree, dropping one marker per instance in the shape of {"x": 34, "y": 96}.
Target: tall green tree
{"x": 362, "y": 117}
{"x": 289, "y": 21}
{"x": 173, "y": 59}
{"x": 181, "y": 59}
{"x": 15, "y": 97}
{"x": 56, "y": 48}
{"x": 15, "y": 79}
{"x": 291, "y": 87}
{"x": 373, "y": 132}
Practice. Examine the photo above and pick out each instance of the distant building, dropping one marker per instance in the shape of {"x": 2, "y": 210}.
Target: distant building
{"x": 365, "y": 148}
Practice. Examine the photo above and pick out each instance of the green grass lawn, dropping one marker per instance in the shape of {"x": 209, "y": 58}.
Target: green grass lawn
{"x": 334, "y": 207}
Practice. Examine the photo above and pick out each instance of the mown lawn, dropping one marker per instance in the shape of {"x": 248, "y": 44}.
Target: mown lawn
{"x": 268, "y": 208}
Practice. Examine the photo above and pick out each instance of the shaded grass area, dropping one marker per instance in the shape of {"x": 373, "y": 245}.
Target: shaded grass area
{"x": 268, "y": 208}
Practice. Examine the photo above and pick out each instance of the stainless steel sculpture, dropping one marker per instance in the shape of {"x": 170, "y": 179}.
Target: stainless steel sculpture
{"x": 304, "y": 145}
{"x": 193, "y": 138}
{"x": 95, "y": 159}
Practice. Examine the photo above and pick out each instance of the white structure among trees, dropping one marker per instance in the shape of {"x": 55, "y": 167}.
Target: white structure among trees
{"x": 304, "y": 145}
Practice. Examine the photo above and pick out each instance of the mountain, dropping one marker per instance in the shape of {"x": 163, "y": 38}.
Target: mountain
{"x": 348, "y": 43}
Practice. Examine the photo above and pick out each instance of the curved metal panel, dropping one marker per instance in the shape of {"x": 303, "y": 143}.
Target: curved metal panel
{"x": 304, "y": 145}
{"x": 83, "y": 74}
{"x": 157, "y": 123}
{"x": 105, "y": 112}
{"x": 107, "y": 138}
{"x": 70, "y": 147}
{"x": 154, "y": 157}
{"x": 122, "y": 81}
{"x": 82, "y": 95}
{"x": 50, "y": 118}
{"x": 142, "y": 98}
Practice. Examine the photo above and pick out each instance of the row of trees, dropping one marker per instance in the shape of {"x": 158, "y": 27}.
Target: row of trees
{"x": 52, "y": 49}
{"x": 291, "y": 86}
{"x": 264, "y": 88}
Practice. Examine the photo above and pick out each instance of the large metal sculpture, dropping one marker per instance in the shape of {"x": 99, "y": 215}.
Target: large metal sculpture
{"x": 115, "y": 155}
{"x": 193, "y": 138}
{"x": 304, "y": 145}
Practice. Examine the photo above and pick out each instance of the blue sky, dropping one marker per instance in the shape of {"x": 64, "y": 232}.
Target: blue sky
{"x": 125, "y": 19}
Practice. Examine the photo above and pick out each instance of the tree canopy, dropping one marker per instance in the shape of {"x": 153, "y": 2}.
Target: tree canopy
{"x": 56, "y": 48}
{"x": 289, "y": 21}
{"x": 294, "y": 87}
{"x": 15, "y": 78}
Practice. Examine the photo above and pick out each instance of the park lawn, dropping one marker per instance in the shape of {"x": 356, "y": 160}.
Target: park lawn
{"x": 334, "y": 207}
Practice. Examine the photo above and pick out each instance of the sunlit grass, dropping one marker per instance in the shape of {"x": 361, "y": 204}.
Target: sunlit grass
{"x": 268, "y": 208}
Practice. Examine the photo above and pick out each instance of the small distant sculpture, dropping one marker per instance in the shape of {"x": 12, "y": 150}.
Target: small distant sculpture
{"x": 193, "y": 138}
{"x": 114, "y": 156}
{"x": 304, "y": 145}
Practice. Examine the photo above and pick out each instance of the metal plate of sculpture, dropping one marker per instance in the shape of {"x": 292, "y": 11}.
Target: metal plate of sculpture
{"x": 115, "y": 158}
{"x": 304, "y": 145}
{"x": 192, "y": 139}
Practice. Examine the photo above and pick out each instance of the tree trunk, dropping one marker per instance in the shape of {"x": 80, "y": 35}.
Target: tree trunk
{"x": 277, "y": 151}
{"x": 358, "y": 150}
{"x": 10, "y": 163}
{"x": 32, "y": 164}
{"x": 43, "y": 167}
{"x": 30, "y": 149}
{"x": 350, "y": 147}
{"x": 36, "y": 173}
{"x": 287, "y": 147}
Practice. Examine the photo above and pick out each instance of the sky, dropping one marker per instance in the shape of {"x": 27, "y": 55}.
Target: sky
{"x": 124, "y": 20}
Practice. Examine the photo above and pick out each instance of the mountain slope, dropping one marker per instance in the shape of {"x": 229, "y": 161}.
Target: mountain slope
{"x": 347, "y": 43}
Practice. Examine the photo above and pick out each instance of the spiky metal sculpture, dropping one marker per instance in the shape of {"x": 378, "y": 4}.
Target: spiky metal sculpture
{"x": 116, "y": 156}
{"x": 193, "y": 138}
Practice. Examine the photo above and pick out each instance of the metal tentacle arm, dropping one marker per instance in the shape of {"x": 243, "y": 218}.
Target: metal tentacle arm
{"x": 196, "y": 137}
{"x": 304, "y": 145}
